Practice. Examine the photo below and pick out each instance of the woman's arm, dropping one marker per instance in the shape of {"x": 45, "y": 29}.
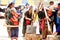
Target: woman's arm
{"x": 28, "y": 18}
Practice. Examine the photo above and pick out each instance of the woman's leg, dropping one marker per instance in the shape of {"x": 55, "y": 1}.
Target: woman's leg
{"x": 12, "y": 32}
{"x": 58, "y": 30}
{"x": 8, "y": 29}
{"x": 16, "y": 33}
{"x": 24, "y": 29}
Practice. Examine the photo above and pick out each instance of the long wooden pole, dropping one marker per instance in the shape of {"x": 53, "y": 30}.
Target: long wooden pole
{"x": 49, "y": 29}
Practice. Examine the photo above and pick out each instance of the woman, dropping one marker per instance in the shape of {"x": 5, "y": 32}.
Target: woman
{"x": 57, "y": 19}
{"x": 35, "y": 21}
{"x": 58, "y": 22}
{"x": 12, "y": 21}
{"x": 27, "y": 20}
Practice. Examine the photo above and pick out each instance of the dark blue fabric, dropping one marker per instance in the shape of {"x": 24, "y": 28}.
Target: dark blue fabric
{"x": 58, "y": 20}
{"x": 58, "y": 28}
{"x": 19, "y": 11}
{"x": 14, "y": 32}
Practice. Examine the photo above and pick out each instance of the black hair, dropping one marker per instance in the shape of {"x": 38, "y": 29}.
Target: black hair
{"x": 58, "y": 3}
{"x": 19, "y": 7}
{"x": 51, "y": 2}
{"x": 10, "y": 4}
{"x": 34, "y": 10}
{"x": 41, "y": 14}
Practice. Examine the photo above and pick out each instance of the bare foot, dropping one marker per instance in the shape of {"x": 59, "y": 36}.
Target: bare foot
{"x": 55, "y": 33}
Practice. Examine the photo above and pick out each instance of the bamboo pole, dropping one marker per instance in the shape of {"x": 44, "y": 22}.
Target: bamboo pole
{"x": 49, "y": 29}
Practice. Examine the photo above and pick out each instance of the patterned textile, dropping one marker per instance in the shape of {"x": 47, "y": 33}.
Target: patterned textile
{"x": 10, "y": 18}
